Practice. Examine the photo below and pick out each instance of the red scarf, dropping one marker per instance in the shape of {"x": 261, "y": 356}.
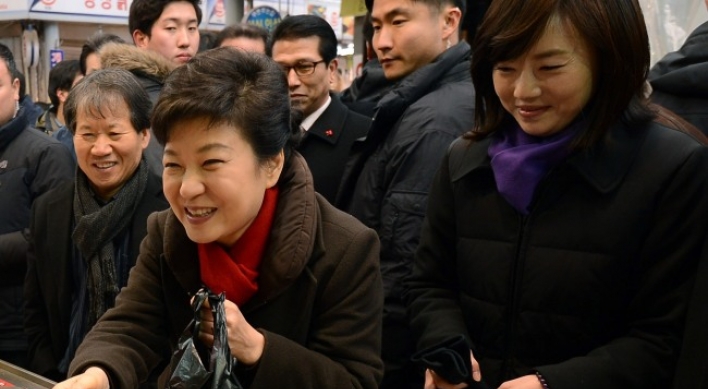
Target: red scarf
{"x": 236, "y": 272}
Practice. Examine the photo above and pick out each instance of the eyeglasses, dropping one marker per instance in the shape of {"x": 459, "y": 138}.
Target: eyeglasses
{"x": 302, "y": 68}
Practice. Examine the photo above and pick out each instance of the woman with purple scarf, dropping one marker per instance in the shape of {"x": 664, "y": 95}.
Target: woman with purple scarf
{"x": 563, "y": 232}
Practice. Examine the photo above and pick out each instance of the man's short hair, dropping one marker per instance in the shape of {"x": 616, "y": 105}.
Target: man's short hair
{"x": 305, "y": 26}
{"x": 9, "y": 59}
{"x": 207, "y": 40}
{"x": 62, "y": 77}
{"x": 100, "y": 91}
{"x": 144, "y": 13}
{"x": 435, "y": 4}
{"x": 246, "y": 30}
{"x": 92, "y": 45}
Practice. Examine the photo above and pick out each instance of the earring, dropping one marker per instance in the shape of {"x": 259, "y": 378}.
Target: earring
{"x": 17, "y": 108}
{"x": 449, "y": 44}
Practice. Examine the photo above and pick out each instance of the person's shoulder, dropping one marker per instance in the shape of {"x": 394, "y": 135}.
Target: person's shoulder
{"x": 337, "y": 221}
{"x": 162, "y": 218}
{"x": 665, "y": 131}
{"x": 670, "y": 145}
{"x": 360, "y": 123}
{"x": 63, "y": 191}
{"x": 34, "y": 139}
{"x": 356, "y": 116}
{"x": 450, "y": 112}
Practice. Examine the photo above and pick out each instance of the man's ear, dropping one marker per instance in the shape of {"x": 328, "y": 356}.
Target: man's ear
{"x": 140, "y": 39}
{"x": 451, "y": 16}
{"x": 333, "y": 65}
{"x": 62, "y": 95}
{"x": 16, "y": 89}
{"x": 145, "y": 141}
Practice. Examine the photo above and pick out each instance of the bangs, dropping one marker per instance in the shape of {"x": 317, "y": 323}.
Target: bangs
{"x": 101, "y": 104}
{"x": 519, "y": 31}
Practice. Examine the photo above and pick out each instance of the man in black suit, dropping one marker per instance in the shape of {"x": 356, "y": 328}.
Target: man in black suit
{"x": 306, "y": 47}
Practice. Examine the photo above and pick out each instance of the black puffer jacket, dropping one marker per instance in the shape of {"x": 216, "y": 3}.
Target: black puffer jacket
{"x": 590, "y": 288}
{"x": 31, "y": 163}
{"x": 413, "y": 126}
{"x": 680, "y": 80}
{"x": 364, "y": 93}
{"x": 386, "y": 185}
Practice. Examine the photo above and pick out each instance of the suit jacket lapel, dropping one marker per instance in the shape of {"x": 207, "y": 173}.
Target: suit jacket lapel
{"x": 329, "y": 125}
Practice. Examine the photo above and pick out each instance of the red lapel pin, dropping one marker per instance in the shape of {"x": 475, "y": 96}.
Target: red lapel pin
{"x": 329, "y": 133}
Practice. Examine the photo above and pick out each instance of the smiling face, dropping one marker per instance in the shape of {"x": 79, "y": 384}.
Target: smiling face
{"x": 547, "y": 87}
{"x": 108, "y": 148}
{"x": 307, "y": 92}
{"x": 214, "y": 182}
{"x": 409, "y": 34}
{"x": 174, "y": 35}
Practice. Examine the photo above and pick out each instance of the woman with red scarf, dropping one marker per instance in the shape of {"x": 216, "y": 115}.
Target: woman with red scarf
{"x": 301, "y": 279}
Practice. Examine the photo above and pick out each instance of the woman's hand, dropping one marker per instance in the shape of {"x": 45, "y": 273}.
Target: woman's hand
{"x": 92, "y": 378}
{"x": 245, "y": 342}
{"x": 523, "y": 382}
{"x": 433, "y": 381}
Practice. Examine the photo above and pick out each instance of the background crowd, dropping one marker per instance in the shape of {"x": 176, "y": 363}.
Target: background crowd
{"x": 527, "y": 211}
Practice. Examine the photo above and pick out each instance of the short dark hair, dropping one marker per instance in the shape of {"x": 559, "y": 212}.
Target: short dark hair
{"x": 144, "y": 13}
{"x": 368, "y": 30}
{"x": 614, "y": 31}
{"x": 305, "y": 26}
{"x": 230, "y": 86}
{"x": 92, "y": 44}
{"x": 100, "y": 91}
{"x": 238, "y": 30}
{"x": 207, "y": 40}
{"x": 62, "y": 77}
{"x": 9, "y": 59}
{"x": 434, "y": 4}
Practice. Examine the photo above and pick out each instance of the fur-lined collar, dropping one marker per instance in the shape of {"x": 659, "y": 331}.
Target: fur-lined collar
{"x": 135, "y": 60}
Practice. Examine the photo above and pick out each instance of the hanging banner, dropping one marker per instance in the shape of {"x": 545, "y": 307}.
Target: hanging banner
{"x": 111, "y": 8}
{"x": 13, "y": 6}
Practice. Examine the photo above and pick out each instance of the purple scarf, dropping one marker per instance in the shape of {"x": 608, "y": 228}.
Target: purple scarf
{"x": 520, "y": 161}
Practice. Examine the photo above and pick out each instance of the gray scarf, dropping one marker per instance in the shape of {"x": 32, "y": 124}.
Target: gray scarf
{"x": 96, "y": 228}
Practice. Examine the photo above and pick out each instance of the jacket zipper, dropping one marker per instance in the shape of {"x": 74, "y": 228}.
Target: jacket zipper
{"x": 516, "y": 279}
{"x": 516, "y": 268}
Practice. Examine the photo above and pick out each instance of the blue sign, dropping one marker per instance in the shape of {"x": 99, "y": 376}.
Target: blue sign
{"x": 55, "y": 56}
{"x": 264, "y": 16}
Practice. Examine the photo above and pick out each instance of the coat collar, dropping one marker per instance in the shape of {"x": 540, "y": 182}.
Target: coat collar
{"x": 10, "y": 130}
{"x": 138, "y": 61}
{"x": 294, "y": 236}
{"x": 449, "y": 67}
{"x": 603, "y": 166}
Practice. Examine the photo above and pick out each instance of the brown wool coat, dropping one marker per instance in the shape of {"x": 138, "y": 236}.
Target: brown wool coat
{"x": 319, "y": 302}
